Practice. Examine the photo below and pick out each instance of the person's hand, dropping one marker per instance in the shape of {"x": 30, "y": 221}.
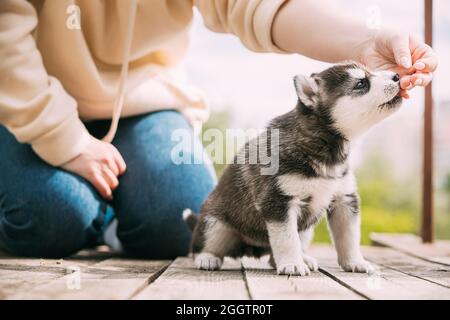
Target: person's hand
{"x": 100, "y": 163}
{"x": 412, "y": 59}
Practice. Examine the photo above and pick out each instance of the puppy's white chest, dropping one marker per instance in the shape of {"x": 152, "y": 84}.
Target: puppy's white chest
{"x": 318, "y": 191}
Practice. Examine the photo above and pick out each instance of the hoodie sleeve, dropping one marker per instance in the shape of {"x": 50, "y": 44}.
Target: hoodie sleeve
{"x": 250, "y": 20}
{"x": 34, "y": 106}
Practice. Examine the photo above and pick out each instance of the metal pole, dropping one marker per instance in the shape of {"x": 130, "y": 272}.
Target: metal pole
{"x": 427, "y": 197}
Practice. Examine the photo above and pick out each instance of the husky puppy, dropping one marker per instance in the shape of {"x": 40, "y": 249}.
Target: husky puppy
{"x": 253, "y": 214}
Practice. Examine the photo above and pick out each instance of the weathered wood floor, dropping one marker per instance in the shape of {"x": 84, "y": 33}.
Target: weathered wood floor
{"x": 406, "y": 270}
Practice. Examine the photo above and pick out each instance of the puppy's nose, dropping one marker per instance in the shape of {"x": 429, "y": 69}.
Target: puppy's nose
{"x": 396, "y": 77}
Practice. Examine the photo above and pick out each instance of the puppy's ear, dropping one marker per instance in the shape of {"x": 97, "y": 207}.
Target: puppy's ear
{"x": 307, "y": 89}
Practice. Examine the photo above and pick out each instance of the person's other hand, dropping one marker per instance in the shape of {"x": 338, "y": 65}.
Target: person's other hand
{"x": 100, "y": 163}
{"x": 412, "y": 59}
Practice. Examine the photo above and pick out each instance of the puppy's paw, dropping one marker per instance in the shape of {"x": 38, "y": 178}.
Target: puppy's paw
{"x": 359, "y": 265}
{"x": 208, "y": 261}
{"x": 311, "y": 262}
{"x": 293, "y": 269}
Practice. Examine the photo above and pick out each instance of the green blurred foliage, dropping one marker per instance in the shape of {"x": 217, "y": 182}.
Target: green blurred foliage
{"x": 375, "y": 220}
{"x": 446, "y": 186}
{"x": 387, "y": 205}
{"x": 442, "y": 207}
{"x": 218, "y": 120}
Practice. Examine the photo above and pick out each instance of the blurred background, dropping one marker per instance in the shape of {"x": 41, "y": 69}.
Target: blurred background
{"x": 246, "y": 90}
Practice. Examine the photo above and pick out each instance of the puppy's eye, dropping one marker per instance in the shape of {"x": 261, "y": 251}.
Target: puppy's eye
{"x": 361, "y": 84}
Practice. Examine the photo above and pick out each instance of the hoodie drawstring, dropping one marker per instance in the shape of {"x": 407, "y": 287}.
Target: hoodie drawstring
{"x": 120, "y": 97}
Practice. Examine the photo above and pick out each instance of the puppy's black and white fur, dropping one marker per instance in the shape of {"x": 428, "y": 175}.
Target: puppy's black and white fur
{"x": 253, "y": 214}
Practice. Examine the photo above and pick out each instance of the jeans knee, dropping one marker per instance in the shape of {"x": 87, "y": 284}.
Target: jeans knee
{"x": 53, "y": 223}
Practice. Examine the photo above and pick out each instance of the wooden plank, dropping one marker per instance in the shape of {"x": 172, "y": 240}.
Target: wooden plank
{"x": 182, "y": 280}
{"x": 264, "y": 283}
{"x": 413, "y": 266}
{"x": 19, "y": 274}
{"x": 385, "y": 283}
{"x": 437, "y": 252}
{"x": 13, "y": 281}
{"x": 82, "y": 258}
{"x": 114, "y": 278}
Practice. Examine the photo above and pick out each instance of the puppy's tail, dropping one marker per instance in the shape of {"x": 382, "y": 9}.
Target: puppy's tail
{"x": 190, "y": 218}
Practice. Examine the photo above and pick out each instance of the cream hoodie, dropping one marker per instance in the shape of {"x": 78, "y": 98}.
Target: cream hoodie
{"x": 52, "y": 73}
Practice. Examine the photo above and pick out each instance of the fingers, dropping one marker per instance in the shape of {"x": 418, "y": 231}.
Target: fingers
{"x": 112, "y": 165}
{"x": 417, "y": 57}
{"x": 401, "y": 50}
{"x": 99, "y": 182}
{"x": 105, "y": 181}
{"x": 409, "y": 82}
{"x": 425, "y": 59}
{"x": 417, "y": 79}
{"x": 426, "y": 64}
{"x": 405, "y": 82}
{"x": 100, "y": 163}
{"x": 120, "y": 162}
{"x": 110, "y": 177}
{"x": 421, "y": 79}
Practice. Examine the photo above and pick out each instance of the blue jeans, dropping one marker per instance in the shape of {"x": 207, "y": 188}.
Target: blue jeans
{"x": 48, "y": 212}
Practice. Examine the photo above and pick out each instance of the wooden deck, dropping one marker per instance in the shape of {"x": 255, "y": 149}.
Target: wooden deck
{"x": 407, "y": 270}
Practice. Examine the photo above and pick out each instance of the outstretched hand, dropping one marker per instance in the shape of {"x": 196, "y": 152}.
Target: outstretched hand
{"x": 412, "y": 59}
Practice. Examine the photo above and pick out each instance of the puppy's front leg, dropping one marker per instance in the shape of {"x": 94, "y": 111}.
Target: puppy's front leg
{"x": 305, "y": 240}
{"x": 344, "y": 220}
{"x": 285, "y": 244}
